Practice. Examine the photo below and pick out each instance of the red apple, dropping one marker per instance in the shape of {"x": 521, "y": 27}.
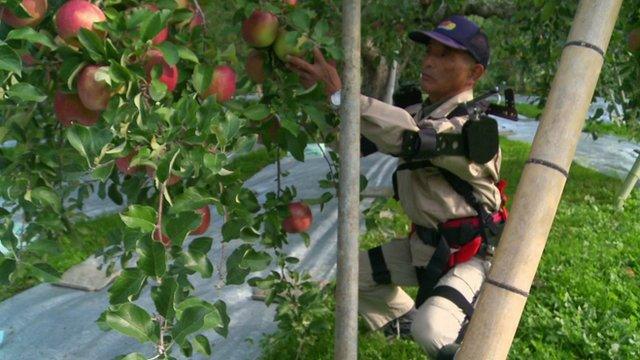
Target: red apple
{"x": 196, "y": 20}
{"x": 164, "y": 33}
{"x": 223, "y": 84}
{"x": 260, "y": 29}
{"x": 123, "y": 164}
{"x": 204, "y": 225}
{"x": 173, "y": 178}
{"x": 75, "y": 15}
{"x": 169, "y": 75}
{"x": 161, "y": 237}
{"x": 300, "y": 218}
{"x": 291, "y": 2}
{"x": 633, "y": 39}
{"x": 93, "y": 93}
{"x": 287, "y": 45}
{"x": 69, "y": 110}
{"x": 255, "y": 66}
{"x": 27, "y": 59}
{"x": 37, "y": 9}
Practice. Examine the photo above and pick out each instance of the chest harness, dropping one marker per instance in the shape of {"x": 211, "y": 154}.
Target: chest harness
{"x": 455, "y": 240}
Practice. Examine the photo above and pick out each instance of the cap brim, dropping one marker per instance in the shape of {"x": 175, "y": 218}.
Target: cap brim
{"x": 423, "y": 37}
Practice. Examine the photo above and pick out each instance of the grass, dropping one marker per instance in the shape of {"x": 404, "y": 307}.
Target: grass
{"x": 92, "y": 234}
{"x": 585, "y": 300}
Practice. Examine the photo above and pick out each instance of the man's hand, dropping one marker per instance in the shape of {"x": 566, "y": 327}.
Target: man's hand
{"x": 320, "y": 71}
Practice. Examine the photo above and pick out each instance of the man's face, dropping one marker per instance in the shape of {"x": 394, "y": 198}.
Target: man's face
{"x": 446, "y": 71}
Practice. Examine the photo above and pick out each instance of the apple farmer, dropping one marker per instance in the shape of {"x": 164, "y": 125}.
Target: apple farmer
{"x": 453, "y": 201}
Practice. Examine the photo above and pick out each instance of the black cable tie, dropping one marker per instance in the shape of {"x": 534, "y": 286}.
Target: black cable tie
{"x": 549, "y": 165}
{"x": 585, "y": 44}
{"x": 507, "y": 287}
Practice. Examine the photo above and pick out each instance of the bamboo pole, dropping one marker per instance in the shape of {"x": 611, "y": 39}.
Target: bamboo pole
{"x": 346, "y": 334}
{"x": 629, "y": 183}
{"x": 506, "y": 287}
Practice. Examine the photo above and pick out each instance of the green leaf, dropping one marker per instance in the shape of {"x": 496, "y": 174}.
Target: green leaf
{"x": 70, "y": 69}
{"x": 231, "y": 229}
{"x": 191, "y": 320}
{"x": 88, "y": 141}
{"x": 214, "y": 162}
{"x": 186, "y": 53}
{"x": 296, "y": 145}
{"x": 202, "y": 345}
{"x": 43, "y": 272}
{"x": 153, "y": 257}
{"x": 196, "y": 261}
{"x": 103, "y": 171}
{"x": 221, "y": 323}
{"x": 10, "y": 60}
{"x": 170, "y": 52}
{"x": 141, "y": 217}
{"x": 26, "y": 92}
{"x": 164, "y": 297}
{"x": 230, "y": 128}
{"x": 118, "y": 73}
{"x": 317, "y": 116}
{"x": 256, "y": 261}
{"x": 257, "y": 112}
{"x": 132, "y": 321}
{"x": 179, "y": 225}
{"x": 189, "y": 200}
{"x": 201, "y": 78}
{"x": 127, "y": 286}
{"x": 201, "y": 244}
{"x": 7, "y": 266}
{"x": 158, "y": 89}
{"x": 31, "y": 36}
{"x": 300, "y": 19}
{"x": 47, "y": 197}
{"x": 150, "y": 27}
{"x": 92, "y": 43}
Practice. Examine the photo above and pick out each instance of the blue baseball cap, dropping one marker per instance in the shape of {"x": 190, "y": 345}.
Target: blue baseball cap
{"x": 458, "y": 32}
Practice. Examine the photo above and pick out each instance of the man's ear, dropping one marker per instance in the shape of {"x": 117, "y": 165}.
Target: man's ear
{"x": 477, "y": 70}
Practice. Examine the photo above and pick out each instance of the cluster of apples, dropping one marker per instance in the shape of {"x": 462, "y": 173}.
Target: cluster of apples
{"x": 262, "y": 31}
{"x": 93, "y": 94}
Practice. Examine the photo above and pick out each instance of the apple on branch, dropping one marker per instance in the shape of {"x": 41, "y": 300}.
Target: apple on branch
{"x": 255, "y": 66}
{"x": 164, "y": 33}
{"x": 75, "y": 15}
{"x": 222, "y": 85}
{"x": 169, "y": 73}
{"x": 287, "y": 43}
{"x": 124, "y": 164}
{"x": 260, "y": 29}
{"x": 299, "y": 219}
{"x": 69, "y": 110}
{"x": 37, "y": 9}
{"x": 93, "y": 93}
{"x": 633, "y": 39}
{"x": 204, "y": 224}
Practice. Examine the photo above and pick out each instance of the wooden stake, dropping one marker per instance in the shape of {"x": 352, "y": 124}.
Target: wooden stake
{"x": 629, "y": 183}
{"x": 506, "y": 288}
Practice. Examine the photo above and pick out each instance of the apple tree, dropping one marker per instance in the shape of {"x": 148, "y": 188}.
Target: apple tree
{"x": 147, "y": 104}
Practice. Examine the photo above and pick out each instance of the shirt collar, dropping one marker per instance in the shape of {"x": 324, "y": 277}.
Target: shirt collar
{"x": 443, "y": 109}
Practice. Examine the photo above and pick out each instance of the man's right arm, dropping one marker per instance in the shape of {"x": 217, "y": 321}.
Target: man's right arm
{"x": 384, "y": 124}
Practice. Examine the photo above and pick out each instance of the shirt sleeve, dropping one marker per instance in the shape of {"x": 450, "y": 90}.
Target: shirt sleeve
{"x": 384, "y": 124}
{"x": 460, "y": 165}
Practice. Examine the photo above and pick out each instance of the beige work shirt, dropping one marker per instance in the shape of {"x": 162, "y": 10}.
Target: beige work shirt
{"x": 426, "y": 197}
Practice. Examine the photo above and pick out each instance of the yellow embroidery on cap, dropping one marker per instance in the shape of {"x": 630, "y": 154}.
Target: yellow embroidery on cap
{"x": 448, "y": 25}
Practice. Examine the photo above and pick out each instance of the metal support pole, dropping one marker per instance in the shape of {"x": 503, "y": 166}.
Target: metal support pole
{"x": 505, "y": 291}
{"x": 629, "y": 183}
{"x": 346, "y": 335}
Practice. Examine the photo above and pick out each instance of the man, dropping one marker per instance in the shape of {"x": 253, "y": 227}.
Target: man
{"x": 447, "y": 194}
